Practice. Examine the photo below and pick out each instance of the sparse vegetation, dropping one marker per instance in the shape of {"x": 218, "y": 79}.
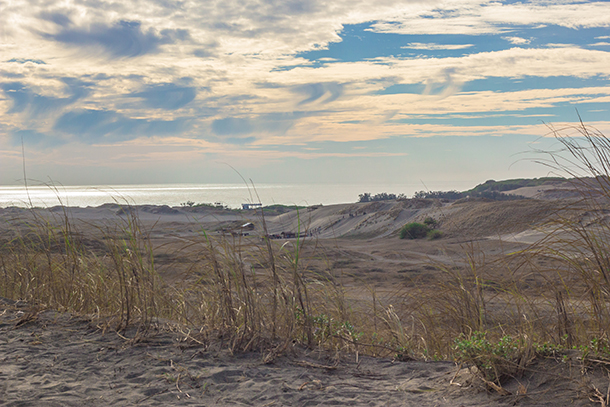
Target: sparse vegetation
{"x": 384, "y": 196}
{"x": 277, "y": 209}
{"x": 434, "y": 234}
{"x": 215, "y": 205}
{"x": 455, "y": 195}
{"x": 451, "y": 195}
{"x": 414, "y": 230}
{"x": 491, "y": 189}
{"x": 495, "y": 360}
{"x": 430, "y": 222}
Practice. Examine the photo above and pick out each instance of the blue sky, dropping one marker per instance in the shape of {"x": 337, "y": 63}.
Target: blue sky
{"x": 446, "y": 93}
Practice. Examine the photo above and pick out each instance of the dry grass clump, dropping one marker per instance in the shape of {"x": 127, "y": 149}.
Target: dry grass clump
{"x": 248, "y": 294}
{"x": 47, "y": 263}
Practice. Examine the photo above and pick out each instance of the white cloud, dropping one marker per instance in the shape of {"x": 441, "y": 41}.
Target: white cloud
{"x": 554, "y": 45}
{"x": 600, "y": 44}
{"x": 495, "y": 17}
{"x": 517, "y": 40}
{"x": 238, "y": 57}
{"x": 432, "y": 46}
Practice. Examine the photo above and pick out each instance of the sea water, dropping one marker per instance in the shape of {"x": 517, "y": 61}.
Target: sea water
{"x": 232, "y": 195}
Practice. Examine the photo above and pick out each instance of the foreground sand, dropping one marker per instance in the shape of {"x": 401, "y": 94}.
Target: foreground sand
{"x": 56, "y": 360}
{"x": 53, "y": 359}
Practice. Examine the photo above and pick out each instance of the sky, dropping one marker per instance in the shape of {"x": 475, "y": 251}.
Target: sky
{"x": 444, "y": 94}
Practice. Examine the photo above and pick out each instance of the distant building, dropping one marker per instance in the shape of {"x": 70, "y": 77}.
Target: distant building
{"x": 247, "y": 206}
{"x": 247, "y": 226}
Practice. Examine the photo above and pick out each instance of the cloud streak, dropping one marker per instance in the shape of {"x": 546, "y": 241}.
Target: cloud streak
{"x": 95, "y": 126}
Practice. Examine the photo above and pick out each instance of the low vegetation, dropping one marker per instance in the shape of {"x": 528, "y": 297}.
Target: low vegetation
{"x": 491, "y": 189}
{"x": 416, "y": 230}
{"x": 215, "y": 205}
{"x": 455, "y": 195}
{"x": 384, "y": 196}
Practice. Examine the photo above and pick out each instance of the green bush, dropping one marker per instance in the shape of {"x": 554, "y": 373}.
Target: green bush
{"x": 494, "y": 360}
{"x": 414, "y": 230}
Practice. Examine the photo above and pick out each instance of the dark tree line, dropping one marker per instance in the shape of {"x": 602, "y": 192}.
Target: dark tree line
{"x": 454, "y": 195}
{"x": 384, "y": 196}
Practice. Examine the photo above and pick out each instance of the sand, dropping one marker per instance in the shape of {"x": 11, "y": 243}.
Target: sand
{"x": 53, "y": 359}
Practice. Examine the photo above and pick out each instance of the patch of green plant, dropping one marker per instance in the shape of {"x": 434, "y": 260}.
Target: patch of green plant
{"x": 548, "y": 349}
{"x": 403, "y": 354}
{"x": 326, "y": 327}
{"x": 598, "y": 348}
{"x": 414, "y": 230}
{"x": 494, "y": 360}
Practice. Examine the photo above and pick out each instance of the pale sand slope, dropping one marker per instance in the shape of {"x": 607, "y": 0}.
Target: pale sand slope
{"x": 368, "y": 220}
{"x": 56, "y": 360}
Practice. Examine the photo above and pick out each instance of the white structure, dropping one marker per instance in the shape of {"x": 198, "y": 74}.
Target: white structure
{"x": 247, "y": 206}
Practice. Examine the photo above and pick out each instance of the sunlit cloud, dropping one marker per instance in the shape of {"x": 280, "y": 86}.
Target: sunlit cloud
{"x": 431, "y": 46}
{"x": 244, "y": 80}
{"x": 517, "y": 40}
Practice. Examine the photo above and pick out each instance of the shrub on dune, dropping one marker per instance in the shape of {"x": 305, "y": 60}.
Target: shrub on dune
{"x": 414, "y": 230}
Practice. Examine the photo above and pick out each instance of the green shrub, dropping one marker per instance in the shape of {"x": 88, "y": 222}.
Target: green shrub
{"x": 414, "y": 230}
{"x": 494, "y": 360}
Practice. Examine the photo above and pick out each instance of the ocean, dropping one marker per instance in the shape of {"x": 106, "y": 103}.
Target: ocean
{"x": 232, "y": 195}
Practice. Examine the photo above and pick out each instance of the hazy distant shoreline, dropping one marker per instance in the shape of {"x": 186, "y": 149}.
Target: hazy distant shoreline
{"x": 231, "y": 195}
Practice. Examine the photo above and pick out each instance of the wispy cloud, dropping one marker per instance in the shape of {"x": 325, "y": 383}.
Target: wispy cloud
{"x": 26, "y": 60}
{"x": 93, "y": 126}
{"x": 316, "y": 91}
{"x": 432, "y": 46}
